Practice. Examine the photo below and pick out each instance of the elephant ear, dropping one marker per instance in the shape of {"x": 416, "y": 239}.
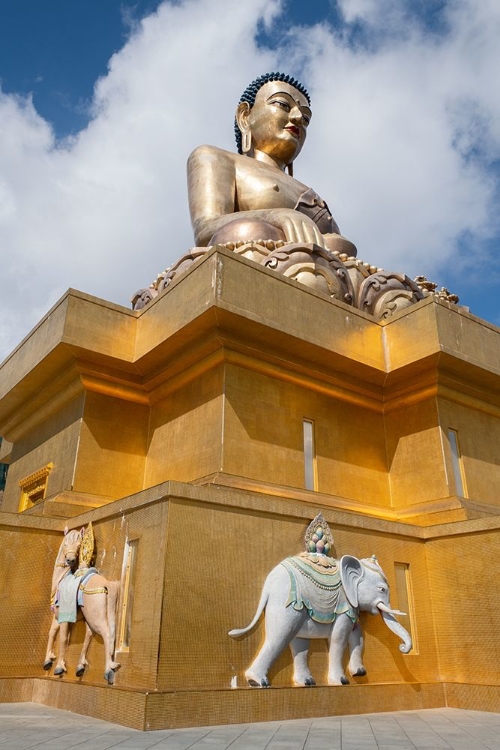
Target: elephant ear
{"x": 351, "y": 573}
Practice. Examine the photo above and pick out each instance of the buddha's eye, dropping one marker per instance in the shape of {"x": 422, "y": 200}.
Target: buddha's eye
{"x": 306, "y": 119}
{"x": 282, "y": 103}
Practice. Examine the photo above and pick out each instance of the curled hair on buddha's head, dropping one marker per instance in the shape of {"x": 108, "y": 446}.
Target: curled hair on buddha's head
{"x": 251, "y": 90}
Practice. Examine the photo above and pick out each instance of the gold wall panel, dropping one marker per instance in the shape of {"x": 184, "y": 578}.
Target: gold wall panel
{"x": 479, "y": 440}
{"x": 188, "y": 298}
{"x": 99, "y": 326}
{"x": 472, "y": 340}
{"x": 282, "y": 305}
{"x": 463, "y": 572}
{"x": 28, "y": 556}
{"x": 113, "y": 445}
{"x": 170, "y": 710}
{"x": 185, "y": 440}
{"x": 38, "y": 344}
{"x": 411, "y": 337}
{"x": 16, "y": 689}
{"x": 263, "y": 438}
{"x": 473, "y": 697}
{"x": 55, "y": 441}
{"x": 415, "y": 454}
{"x": 126, "y": 707}
{"x": 202, "y": 708}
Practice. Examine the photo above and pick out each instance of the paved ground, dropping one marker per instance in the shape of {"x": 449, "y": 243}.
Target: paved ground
{"x": 29, "y": 725}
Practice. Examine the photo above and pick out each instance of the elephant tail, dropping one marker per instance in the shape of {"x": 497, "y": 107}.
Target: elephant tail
{"x": 238, "y": 633}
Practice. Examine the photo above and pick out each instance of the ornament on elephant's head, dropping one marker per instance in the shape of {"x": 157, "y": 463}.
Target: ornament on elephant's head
{"x": 318, "y": 538}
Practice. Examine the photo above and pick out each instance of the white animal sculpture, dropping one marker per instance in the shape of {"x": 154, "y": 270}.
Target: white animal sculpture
{"x": 314, "y": 596}
{"x": 97, "y": 603}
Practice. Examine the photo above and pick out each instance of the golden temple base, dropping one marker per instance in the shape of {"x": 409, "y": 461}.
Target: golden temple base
{"x": 181, "y": 427}
{"x": 195, "y": 581}
{"x": 194, "y": 708}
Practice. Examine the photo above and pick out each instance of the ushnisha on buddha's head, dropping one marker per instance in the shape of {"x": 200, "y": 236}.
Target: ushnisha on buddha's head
{"x": 272, "y": 119}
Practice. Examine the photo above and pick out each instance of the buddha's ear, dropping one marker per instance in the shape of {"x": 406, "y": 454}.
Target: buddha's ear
{"x": 242, "y": 114}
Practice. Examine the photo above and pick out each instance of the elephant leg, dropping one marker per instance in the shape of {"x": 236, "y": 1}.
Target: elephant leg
{"x": 356, "y": 644}
{"x": 63, "y": 644}
{"x": 50, "y": 655}
{"x": 338, "y": 642}
{"x": 300, "y": 650}
{"x": 282, "y": 625}
{"x": 82, "y": 661}
{"x": 256, "y": 674}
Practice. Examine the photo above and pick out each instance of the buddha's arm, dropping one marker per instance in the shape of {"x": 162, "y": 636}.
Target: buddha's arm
{"x": 212, "y": 201}
{"x": 211, "y": 191}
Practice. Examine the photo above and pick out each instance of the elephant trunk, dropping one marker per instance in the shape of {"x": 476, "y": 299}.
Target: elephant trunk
{"x": 399, "y": 630}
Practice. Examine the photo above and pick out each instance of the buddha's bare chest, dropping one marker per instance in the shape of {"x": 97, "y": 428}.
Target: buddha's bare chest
{"x": 258, "y": 188}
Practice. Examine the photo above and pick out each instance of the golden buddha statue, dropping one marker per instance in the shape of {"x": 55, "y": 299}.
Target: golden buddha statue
{"x": 250, "y": 202}
{"x": 235, "y": 197}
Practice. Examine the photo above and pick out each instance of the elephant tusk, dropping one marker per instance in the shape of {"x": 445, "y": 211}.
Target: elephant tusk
{"x": 382, "y": 607}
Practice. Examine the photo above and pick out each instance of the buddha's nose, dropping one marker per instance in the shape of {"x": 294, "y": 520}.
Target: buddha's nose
{"x": 296, "y": 117}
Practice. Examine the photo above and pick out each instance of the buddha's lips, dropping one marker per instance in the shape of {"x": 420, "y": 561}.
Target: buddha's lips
{"x": 293, "y": 130}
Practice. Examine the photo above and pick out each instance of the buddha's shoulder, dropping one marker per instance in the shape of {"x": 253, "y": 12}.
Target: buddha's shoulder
{"x": 208, "y": 153}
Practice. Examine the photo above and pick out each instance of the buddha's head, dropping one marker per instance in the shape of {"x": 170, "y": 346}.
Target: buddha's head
{"x": 272, "y": 118}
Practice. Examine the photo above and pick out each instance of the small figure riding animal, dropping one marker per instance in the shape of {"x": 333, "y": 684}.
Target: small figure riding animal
{"x": 76, "y": 587}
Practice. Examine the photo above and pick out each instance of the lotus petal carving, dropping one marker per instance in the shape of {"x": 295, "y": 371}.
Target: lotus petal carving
{"x": 344, "y": 278}
{"x": 315, "y": 267}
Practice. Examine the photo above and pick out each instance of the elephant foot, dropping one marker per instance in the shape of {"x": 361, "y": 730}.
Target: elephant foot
{"x": 344, "y": 681}
{"x": 59, "y": 671}
{"x": 360, "y": 672}
{"x": 304, "y": 681}
{"x": 47, "y": 664}
{"x": 80, "y": 670}
{"x": 264, "y": 683}
{"x": 256, "y": 681}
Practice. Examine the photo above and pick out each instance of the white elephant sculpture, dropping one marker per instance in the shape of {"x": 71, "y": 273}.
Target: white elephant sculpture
{"x": 314, "y": 596}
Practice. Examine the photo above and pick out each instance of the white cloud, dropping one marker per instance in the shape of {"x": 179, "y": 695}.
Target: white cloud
{"x": 406, "y": 131}
{"x": 106, "y": 211}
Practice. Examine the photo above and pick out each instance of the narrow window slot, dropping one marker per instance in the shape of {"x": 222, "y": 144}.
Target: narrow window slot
{"x": 310, "y": 474}
{"x": 130, "y": 565}
{"x": 457, "y": 463}
{"x": 404, "y": 591}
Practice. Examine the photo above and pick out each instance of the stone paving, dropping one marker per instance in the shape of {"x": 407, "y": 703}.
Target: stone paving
{"x": 29, "y": 725}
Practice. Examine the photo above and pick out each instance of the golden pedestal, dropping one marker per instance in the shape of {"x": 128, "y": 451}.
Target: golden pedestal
{"x": 181, "y": 426}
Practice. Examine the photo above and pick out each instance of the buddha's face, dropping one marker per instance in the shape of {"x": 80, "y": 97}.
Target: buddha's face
{"x": 278, "y": 121}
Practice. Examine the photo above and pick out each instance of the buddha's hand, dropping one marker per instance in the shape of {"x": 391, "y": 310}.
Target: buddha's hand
{"x": 296, "y": 226}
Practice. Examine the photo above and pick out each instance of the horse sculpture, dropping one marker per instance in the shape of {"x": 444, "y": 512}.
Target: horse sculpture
{"x": 78, "y": 587}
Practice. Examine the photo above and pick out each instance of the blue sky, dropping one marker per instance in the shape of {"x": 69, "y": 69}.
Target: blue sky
{"x": 58, "y": 55}
{"x": 101, "y": 102}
